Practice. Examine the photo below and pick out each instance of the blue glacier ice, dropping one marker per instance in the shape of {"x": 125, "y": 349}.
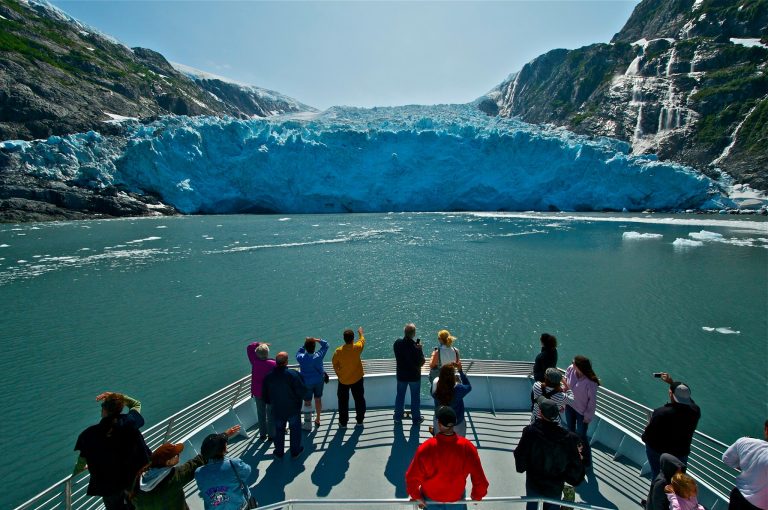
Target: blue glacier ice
{"x": 410, "y": 158}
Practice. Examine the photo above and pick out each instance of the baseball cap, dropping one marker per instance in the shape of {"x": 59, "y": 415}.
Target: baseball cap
{"x": 682, "y": 393}
{"x": 549, "y": 409}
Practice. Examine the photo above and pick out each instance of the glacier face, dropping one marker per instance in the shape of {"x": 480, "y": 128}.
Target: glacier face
{"x": 411, "y": 158}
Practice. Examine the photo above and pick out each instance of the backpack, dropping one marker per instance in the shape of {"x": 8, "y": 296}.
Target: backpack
{"x": 435, "y": 372}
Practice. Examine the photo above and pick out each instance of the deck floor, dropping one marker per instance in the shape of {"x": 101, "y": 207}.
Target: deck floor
{"x": 370, "y": 462}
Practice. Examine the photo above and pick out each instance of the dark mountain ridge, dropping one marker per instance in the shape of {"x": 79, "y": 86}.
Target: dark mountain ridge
{"x": 685, "y": 79}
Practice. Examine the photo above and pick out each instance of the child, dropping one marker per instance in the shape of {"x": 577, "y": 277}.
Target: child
{"x": 681, "y": 493}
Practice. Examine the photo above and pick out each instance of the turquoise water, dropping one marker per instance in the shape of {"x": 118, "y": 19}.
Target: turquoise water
{"x": 162, "y": 309}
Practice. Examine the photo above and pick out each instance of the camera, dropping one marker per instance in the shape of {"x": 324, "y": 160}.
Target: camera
{"x": 657, "y": 374}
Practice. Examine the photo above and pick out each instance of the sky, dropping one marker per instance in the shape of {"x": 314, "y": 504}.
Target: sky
{"x": 357, "y": 53}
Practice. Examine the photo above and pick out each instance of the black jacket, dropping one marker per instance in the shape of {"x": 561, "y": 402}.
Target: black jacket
{"x": 671, "y": 428}
{"x": 410, "y": 358}
{"x": 549, "y": 456}
{"x": 284, "y": 390}
{"x": 547, "y": 358}
{"x": 657, "y": 498}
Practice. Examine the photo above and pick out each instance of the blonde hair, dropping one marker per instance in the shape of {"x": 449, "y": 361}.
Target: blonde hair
{"x": 444, "y": 336}
{"x": 684, "y": 486}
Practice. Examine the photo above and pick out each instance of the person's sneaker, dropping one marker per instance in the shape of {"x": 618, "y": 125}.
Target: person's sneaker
{"x": 419, "y": 421}
{"x": 307, "y": 425}
{"x": 342, "y": 425}
{"x": 262, "y": 437}
{"x": 294, "y": 455}
{"x": 643, "y": 503}
{"x": 359, "y": 424}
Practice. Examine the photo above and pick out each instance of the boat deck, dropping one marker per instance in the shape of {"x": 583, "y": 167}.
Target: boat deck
{"x": 369, "y": 462}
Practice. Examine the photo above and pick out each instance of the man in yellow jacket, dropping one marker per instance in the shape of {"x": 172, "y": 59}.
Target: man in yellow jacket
{"x": 349, "y": 369}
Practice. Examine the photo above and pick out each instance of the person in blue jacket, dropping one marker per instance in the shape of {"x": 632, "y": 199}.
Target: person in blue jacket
{"x": 311, "y": 362}
{"x": 219, "y": 480}
{"x": 450, "y": 390}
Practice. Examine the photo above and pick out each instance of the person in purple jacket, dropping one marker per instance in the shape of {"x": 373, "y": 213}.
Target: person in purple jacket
{"x": 579, "y": 413}
{"x": 261, "y": 365}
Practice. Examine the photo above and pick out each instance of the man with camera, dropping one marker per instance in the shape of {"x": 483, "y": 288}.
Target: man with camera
{"x": 409, "y": 357}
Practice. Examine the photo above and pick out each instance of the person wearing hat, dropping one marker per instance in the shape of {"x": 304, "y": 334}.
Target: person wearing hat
{"x": 549, "y": 456}
{"x": 220, "y": 481}
{"x": 113, "y": 450}
{"x": 261, "y": 365}
{"x": 440, "y": 467}
{"x": 555, "y": 388}
{"x": 672, "y": 425}
{"x": 160, "y": 485}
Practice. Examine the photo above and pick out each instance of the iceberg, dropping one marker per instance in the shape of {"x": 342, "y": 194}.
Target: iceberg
{"x": 410, "y": 158}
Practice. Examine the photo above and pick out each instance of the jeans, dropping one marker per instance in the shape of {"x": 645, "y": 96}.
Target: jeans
{"x": 264, "y": 413}
{"x": 117, "y": 501}
{"x": 654, "y": 461}
{"x": 576, "y": 424}
{"x": 415, "y": 387}
{"x": 532, "y": 491}
{"x": 358, "y": 393}
{"x": 294, "y": 423}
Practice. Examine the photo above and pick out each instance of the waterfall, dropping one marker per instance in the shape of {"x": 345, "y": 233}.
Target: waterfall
{"x": 634, "y": 67}
{"x": 639, "y": 124}
{"x": 735, "y": 133}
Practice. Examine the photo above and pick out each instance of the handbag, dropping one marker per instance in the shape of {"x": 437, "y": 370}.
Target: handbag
{"x": 250, "y": 501}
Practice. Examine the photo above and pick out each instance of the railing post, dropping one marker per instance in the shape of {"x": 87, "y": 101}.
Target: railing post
{"x": 540, "y": 505}
{"x": 490, "y": 394}
{"x": 168, "y": 430}
{"x": 237, "y": 394}
{"x": 68, "y": 494}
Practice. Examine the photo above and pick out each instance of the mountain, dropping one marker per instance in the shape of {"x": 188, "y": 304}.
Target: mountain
{"x": 58, "y": 76}
{"x": 684, "y": 79}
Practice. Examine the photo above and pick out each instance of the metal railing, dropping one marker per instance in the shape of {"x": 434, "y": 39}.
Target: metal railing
{"x": 505, "y": 502}
{"x": 704, "y": 462}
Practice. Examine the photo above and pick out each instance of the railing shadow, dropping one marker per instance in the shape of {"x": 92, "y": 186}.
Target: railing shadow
{"x": 333, "y": 465}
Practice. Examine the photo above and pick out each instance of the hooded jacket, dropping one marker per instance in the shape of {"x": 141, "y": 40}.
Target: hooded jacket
{"x": 657, "y": 498}
{"x": 163, "y": 488}
{"x": 549, "y": 456}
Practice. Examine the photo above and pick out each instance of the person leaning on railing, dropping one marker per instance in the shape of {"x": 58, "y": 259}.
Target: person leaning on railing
{"x": 113, "y": 450}
{"x": 750, "y": 456}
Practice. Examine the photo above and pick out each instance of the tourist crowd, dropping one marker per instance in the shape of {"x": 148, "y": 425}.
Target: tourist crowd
{"x": 553, "y": 451}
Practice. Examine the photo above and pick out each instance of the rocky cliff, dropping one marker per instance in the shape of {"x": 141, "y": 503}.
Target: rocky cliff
{"x": 685, "y": 79}
{"x": 58, "y": 76}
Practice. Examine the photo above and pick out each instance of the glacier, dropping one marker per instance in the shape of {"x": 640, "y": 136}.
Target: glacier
{"x": 345, "y": 159}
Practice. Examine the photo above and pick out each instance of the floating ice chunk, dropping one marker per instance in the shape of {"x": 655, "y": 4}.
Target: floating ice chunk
{"x": 21, "y": 261}
{"x": 5, "y": 245}
{"x": 161, "y": 226}
{"x": 199, "y": 295}
{"x": 748, "y": 42}
{"x": 685, "y": 243}
{"x": 284, "y": 219}
{"x": 638, "y": 235}
{"x": 722, "y": 330}
{"x": 706, "y": 235}
{"x": 136, "y": 241}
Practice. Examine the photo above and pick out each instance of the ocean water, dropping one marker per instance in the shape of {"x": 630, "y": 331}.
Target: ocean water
{"x": 162, "y": 308}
